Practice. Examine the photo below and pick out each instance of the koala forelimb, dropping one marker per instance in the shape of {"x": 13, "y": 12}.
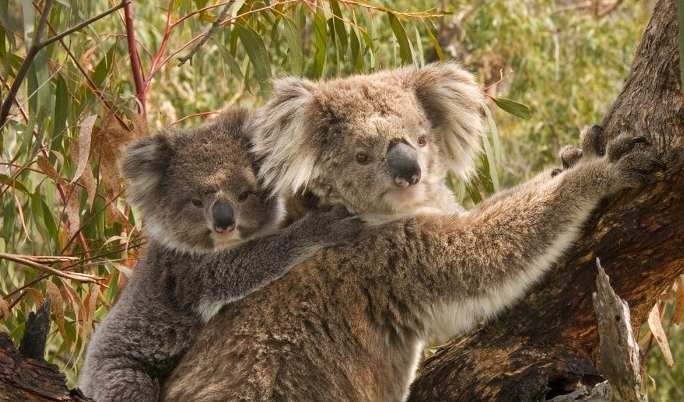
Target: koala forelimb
{"x": 198, "y": 191}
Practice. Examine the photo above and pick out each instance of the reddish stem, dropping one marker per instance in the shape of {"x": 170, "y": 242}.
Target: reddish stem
{"x": 135, "y": 58}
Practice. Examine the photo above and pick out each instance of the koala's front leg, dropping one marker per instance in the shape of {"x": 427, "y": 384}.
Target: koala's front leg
{"x": 509, "y": 241}
{"x": 115, "y": 384}
{"x": 233, "y": 274}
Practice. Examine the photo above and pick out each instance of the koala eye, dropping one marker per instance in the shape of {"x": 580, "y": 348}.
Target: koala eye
{"x": 243, "y": 196}
{"x": 422, "y": 141}
{"x": 362, "y": 158}
{"x": 196, "y": 202}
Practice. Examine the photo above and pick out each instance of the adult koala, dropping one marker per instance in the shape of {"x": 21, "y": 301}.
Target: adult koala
{"x": 348, "y": 324}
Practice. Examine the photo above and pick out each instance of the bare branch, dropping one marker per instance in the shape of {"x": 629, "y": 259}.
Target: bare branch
{"x": 207, "y": 34}
{"x": 20, "y": 259}
{"x": 135, "y": 58}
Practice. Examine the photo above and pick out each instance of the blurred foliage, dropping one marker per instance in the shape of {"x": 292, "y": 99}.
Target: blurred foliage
{"x": 79, "y": 103}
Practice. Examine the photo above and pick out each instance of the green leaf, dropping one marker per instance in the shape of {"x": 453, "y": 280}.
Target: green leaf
{"x": 435, "y": 44}
{"x": 680, "y": 16}
{"x": 338, "y": 23}
{"x": 513, "y": 107}
{"x": 104, "y": 67}
{"x": 355, "y": 46}
{"x": 404, "y": 44}
{"x": 294, "y": 44}
{"x": 256, "y": 51}
{"x": 62, "y": 102}
{"x": 320, "y": 34}
{"x": 8, "y": 181}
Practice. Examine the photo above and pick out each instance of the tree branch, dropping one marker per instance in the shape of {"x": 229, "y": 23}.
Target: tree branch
{"x": 207, "y": 34}
{"x": 37, "y": 46}
{"x": 135, "y": 58}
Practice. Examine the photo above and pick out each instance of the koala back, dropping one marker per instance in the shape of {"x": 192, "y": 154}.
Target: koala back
{"x": 197, "y": 189}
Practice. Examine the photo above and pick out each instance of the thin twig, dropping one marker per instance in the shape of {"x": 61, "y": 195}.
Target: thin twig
{"x": 135, "y": 58}
{"x": 36, "y": 46}
{"x": 207, "y": 34}
{"x": 20, "y": 259}
{"x": 23, "y": 69}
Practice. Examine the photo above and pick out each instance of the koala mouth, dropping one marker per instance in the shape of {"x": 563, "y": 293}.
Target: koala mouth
{"x": 405, "y": 196}
{"x": 224, "y": 230}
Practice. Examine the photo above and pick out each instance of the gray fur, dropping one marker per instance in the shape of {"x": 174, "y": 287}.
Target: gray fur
{"x": 309, "y": 134}
{"x": 348, "y": 323}
{"x": 188, "y": 270}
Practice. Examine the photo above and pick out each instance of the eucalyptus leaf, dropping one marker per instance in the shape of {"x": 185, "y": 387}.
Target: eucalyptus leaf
{"x": 513, "y": 107}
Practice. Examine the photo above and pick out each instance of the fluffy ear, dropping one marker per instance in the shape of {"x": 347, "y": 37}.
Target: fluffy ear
{"x": 453, "y": 103}
{"x": 284, "y": 137}
{"x": 144, "y": 163}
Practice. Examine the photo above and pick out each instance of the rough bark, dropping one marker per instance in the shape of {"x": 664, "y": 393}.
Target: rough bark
{"x": 24, "y": 375}
{"x": 549, "y": 343}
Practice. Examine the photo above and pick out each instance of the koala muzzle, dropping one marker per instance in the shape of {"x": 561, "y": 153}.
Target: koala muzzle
{"x": 403, "y": 164}
{"x": 224, "y": 217}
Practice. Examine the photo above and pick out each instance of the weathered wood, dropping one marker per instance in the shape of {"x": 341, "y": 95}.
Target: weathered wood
{"x": 548, "y": 344}
{"x": 35, "y": 335}
{"x": 618, "y": 350}
{"x": 30, "y": 378}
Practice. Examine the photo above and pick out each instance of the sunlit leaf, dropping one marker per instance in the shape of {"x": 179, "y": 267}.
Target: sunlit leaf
{"x": 338, "y": 24}
{"x": 513, "y": 107}
{"x": 294, "y": 44}
{"x": 659, "y": 334}
{"x": 320, "y": 32}
{"x": 256, "y": 50}
{"x": 400, "y": 33}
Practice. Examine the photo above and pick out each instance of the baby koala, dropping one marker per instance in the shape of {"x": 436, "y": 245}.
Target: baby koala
{"x": 198, "y": 192}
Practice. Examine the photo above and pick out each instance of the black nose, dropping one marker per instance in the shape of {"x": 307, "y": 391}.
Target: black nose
{"x": 403, "y": 164}
{"x": 224, "y": 217}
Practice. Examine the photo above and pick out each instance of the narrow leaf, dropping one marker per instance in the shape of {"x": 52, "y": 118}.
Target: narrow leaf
{"x": 62, "y": 102}
{"x": 72, "y": 209}
{"x": 84, "y": 136}
{"x": 13, "y": 183}
{"x": 513, "y": 107}
{"x": 49, "y": 170}
{"x": 435, "y": 44}
{"x": 338, "y": 23}
{"x": 256, "y": 51}
{"x": 659, "y": 334}
{"x": 404, "y": 44}
{"x": 57, "y": 306}
{"x": 320, "y": 33}
{"x": 294, "y": 44}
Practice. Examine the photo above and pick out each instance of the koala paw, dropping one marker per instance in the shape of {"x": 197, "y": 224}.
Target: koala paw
{"x": 332, "y": 225}
{"x": 569, "y": 155}
{"x": 634, "y": 161}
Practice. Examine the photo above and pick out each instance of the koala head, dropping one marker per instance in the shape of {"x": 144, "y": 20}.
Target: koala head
{"x": 379, "y": 144}
{"x": 197, "y": 189}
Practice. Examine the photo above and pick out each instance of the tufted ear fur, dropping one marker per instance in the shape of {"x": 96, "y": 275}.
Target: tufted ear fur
{"x": 285, "y": 127}
{"x": 453, "y": 104}
{"x": 144, "y": 163}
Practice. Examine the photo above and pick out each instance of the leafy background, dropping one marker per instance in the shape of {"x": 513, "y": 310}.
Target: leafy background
{"x": 67, "y": 231}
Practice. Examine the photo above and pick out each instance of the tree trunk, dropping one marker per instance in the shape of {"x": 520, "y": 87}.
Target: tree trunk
{"x": 549, "y": 342}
